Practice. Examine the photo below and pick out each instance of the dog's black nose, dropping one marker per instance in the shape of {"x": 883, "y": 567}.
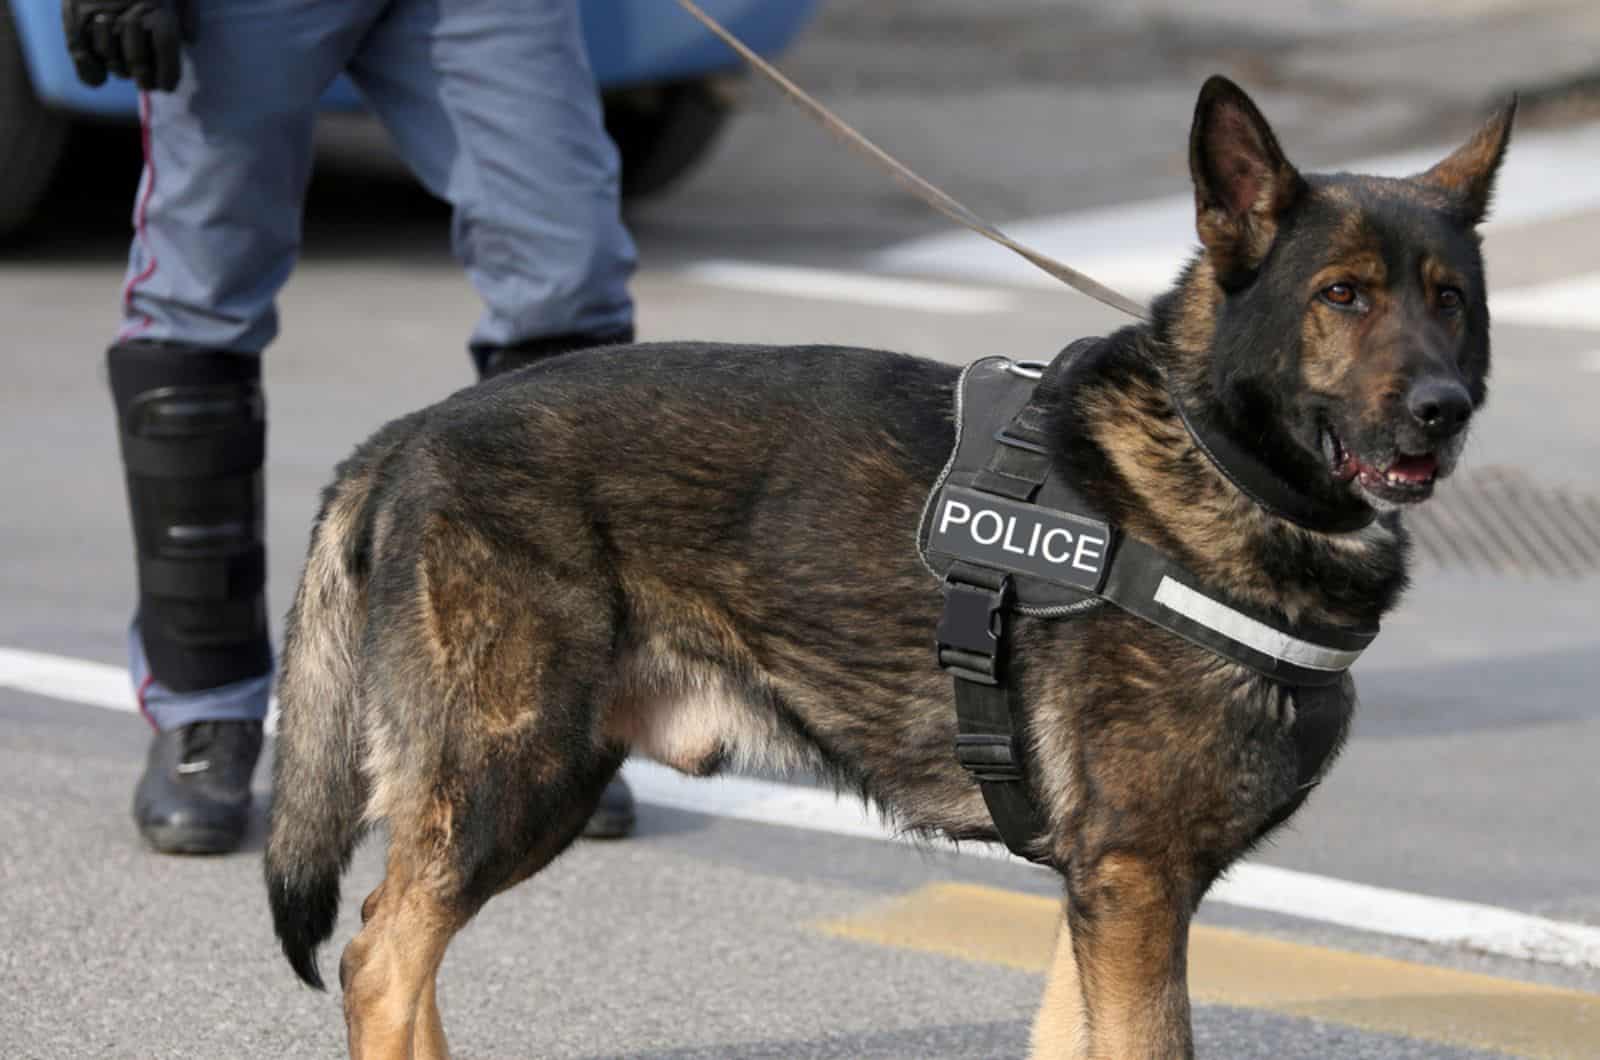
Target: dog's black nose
{"x": 1441, "y": 407}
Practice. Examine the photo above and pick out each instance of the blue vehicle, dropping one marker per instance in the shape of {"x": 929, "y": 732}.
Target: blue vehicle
{"x": 662, "y": 74}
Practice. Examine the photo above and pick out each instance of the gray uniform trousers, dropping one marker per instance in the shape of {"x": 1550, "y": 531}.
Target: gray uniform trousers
{"x": 493, "y": 105}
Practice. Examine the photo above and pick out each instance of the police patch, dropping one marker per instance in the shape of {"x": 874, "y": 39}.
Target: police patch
{"x": 991, "y": 531}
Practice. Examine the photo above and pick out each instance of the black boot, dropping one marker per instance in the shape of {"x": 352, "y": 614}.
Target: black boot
{"x": 498, "y": 360}
{"x": 613, "y": 818}
{"x": 194, "y": 797}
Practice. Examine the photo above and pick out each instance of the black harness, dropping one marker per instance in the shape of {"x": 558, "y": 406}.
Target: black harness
{"x": 1005, "y": 532}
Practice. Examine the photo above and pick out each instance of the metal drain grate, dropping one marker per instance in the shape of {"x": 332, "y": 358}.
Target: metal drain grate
{"x": 1497, "y": 520}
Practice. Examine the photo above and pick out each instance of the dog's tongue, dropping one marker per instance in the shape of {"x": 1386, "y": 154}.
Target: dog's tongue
{"x": 1416, "y": 468}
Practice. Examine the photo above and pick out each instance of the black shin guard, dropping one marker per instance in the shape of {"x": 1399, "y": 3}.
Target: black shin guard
{"x": 193, "y": 431}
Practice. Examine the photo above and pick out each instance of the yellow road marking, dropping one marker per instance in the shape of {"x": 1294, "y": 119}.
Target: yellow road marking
{"x": 1248, "y": 971}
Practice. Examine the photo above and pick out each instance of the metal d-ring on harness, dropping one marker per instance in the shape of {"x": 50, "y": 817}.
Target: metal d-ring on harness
{"x": 1007, "y": 534}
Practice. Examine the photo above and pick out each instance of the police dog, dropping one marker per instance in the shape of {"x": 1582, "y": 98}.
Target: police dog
{"x": 706, "y": 554}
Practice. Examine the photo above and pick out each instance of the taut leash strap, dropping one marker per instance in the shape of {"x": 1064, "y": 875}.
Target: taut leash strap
{"x": 919, "y": 187}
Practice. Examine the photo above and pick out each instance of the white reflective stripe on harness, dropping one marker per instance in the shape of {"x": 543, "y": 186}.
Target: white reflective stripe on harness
{"x": 1236, "y": 626}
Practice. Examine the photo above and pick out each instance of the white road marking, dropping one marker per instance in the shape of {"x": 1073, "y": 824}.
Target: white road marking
{"x": 76, "y": 680}
{"x": 1381, "y": 910}
{"x": 1425, "y": 918}
{"x": 835, "y": 285}
{"x": 1591, "y": 363}
{"x": 1139, "y": 247}
{"x": 92, "y": 684}
{"x": 1570, "y": 302}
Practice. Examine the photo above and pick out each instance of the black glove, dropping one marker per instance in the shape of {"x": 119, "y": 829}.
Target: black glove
{"x": 141, "y": 39}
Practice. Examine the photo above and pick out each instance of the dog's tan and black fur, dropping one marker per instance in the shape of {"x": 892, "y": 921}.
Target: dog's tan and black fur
{"x": 706, "y": 554}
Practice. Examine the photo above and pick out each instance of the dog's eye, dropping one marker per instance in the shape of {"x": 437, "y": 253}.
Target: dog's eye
{"x": 1450, "y": 299}
{"x": 1342, "y": 295}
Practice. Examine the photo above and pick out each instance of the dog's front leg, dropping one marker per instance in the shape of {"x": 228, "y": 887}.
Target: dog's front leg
{"x": 1124, "y": 945}
{"x": 1059, "y": 1030}
{"x": 427, "y": 1039}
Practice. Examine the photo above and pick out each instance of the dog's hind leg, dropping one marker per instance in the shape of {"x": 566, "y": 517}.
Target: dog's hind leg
{"x": 427, "y": 1040}
{"x": 387, "y": 970}
{"x": 470, "y": 845}
{"x": 483, "y": 757}
{"x": 1130, "y": 933}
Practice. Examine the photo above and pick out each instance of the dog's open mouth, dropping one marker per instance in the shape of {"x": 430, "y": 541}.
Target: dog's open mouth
{"x": 1404, "y": 478}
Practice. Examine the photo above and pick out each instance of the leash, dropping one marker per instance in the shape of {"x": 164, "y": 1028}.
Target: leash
{"x": 919, "y": 187}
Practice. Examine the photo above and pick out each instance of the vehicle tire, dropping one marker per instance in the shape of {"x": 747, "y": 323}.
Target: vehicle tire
{"x": 32, "y": 137}
{"x": 661, "y": 131}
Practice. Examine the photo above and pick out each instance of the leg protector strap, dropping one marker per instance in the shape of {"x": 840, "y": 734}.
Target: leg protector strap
{"x": 193, "y": 432}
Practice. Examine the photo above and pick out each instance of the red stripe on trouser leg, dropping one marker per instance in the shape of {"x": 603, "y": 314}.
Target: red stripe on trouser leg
{"x": 131, "y": 329}
{"x": 144, "y": 686}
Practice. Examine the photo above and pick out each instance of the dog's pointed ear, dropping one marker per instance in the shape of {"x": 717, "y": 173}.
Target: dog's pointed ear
{"x": 1469, "y": 173}
{"x": 1242, "y": 181}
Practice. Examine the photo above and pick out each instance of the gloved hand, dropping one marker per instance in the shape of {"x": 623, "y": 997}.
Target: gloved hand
{"x": 141, "y": 39}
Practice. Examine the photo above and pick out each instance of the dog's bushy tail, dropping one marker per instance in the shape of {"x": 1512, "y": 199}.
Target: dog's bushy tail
{"x": 318, "y": 791}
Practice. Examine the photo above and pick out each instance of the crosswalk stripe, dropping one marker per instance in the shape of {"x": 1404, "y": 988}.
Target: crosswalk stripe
{"x": 1425, "y": 918}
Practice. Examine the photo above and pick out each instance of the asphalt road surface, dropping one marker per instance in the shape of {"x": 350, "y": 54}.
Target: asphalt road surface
{"x": 714, "y": 933}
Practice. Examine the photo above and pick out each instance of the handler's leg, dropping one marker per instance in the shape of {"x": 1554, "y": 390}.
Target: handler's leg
{"x": 493, "y": 104}
{"x": 217, "y": 228}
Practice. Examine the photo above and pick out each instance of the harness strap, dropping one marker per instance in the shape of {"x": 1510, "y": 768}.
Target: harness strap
{"x": 993, "y": 758}
{"x": 973, "y": 645}
{"x": 1019, "y": 465}
{"x": 1145, "y": 583}
{"x": 991, "y": 575}
{"x": 989, "y": 712}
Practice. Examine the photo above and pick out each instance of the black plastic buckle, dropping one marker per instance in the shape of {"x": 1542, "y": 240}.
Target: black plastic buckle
{"x": 972, "y": 630}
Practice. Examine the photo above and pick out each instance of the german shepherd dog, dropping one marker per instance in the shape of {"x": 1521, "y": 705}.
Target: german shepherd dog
{"x": 707, "y": 554}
